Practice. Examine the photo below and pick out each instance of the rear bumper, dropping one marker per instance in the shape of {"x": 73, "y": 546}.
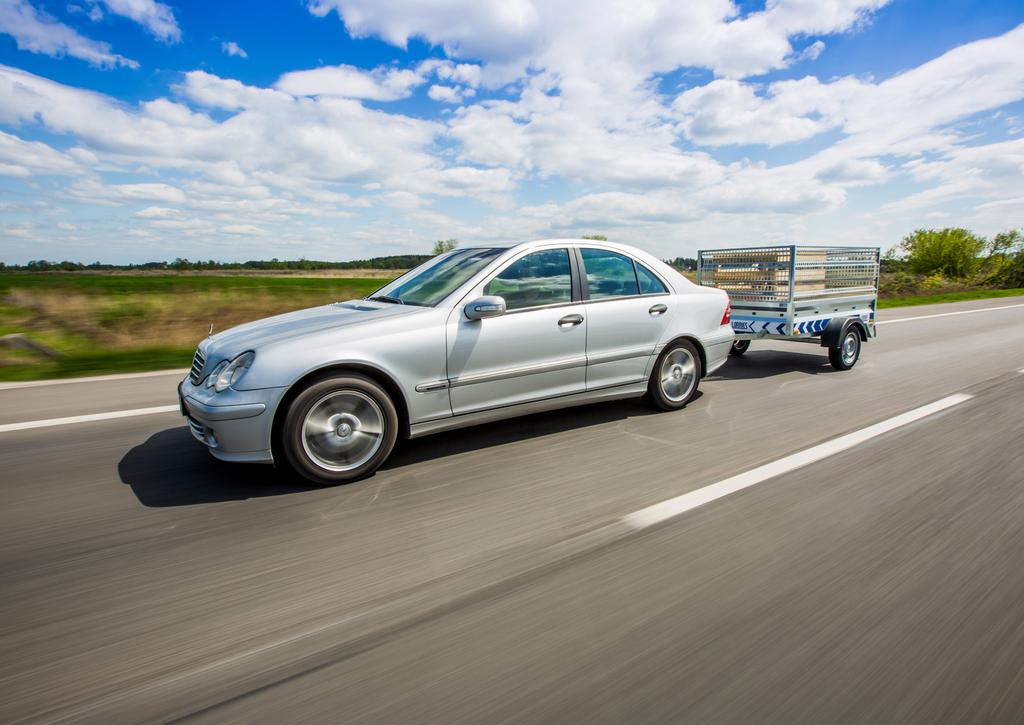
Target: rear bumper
{"x": 233, "y": 425}
{"x": 716, "y": 347}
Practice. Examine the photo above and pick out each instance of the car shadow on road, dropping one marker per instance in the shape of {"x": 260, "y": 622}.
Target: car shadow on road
{"x": 512, "y": 430}
{"x": 171, "y": 469}
{"x": 758, "y": 364}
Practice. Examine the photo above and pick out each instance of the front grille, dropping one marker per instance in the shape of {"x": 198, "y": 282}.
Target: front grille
{"x": 198, "y": 362}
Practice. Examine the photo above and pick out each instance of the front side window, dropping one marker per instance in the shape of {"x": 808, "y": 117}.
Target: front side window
{"x": 540, "y": 278}
{"x": 436, "y": 278}
{"x": 649, "y": 284}
{"x": 609, "y": 274}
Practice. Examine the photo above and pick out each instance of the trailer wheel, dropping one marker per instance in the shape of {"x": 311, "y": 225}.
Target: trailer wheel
{"x": 846, "y": 354}
{"x": 739, "y": 347}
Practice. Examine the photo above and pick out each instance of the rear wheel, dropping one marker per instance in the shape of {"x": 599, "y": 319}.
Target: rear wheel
{"x": 846, "y": 354}
{"x": 739, "y": 347}
{"x": 339, "y": 429}
{"x": 675, "y": 377}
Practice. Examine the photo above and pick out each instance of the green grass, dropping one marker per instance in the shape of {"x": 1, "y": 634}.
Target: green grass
{"x": 976, "y": 294}
{"x": 107, "y": 323}
{"x": 110, "y": 284}
{"x": 101, "y": 363}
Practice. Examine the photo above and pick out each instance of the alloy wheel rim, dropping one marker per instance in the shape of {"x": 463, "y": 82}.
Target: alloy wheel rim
{"x": 343, "y": 430}
{"x": 850, "y": 348}
{"x": 678, "y": 375}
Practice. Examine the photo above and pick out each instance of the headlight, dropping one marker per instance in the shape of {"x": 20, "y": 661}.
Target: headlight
{"x": 216, "y": 372}
{"x": 228, "y": 373}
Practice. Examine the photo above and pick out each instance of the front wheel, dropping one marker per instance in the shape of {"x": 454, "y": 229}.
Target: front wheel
{"x": 675, "y": 377}
{"x": 845, "y": 356}
{"x": 339, "y": 429}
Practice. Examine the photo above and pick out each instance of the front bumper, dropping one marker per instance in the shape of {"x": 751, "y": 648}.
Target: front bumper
{"x": 233, "y": 425}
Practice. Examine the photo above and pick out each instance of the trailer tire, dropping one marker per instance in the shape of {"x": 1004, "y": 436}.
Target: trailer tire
{"x": 675, "y": 376}
{"x": 846, "y": 354}
{"x": 739, "y": 347}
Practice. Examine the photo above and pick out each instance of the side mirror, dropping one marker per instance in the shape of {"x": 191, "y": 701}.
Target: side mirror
{"x": 481, "y": 307}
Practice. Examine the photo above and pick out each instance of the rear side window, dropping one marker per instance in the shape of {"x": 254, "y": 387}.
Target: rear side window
{"x": 649, "y": 284}
{"x": 540, "y": 278}
{"x": 609, "y": 274}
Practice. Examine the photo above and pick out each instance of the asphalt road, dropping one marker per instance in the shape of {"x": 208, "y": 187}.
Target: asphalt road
{"x": 485, "y": 575}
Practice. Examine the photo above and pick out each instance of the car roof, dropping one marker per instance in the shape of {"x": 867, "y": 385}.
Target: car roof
{"x": 546, "y": 242}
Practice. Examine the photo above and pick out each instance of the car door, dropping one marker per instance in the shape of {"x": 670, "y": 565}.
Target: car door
{"x": 536, "y": 350}
{"x": 627, "y": 309}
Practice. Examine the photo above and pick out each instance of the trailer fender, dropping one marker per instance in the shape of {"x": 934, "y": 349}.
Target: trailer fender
{"x": 838, "y": 327}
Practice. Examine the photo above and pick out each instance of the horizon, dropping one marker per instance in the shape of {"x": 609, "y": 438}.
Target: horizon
{"x": 340, "y": 131}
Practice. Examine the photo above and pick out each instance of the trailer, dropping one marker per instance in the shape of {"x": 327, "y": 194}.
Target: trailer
{"x": 822, "y": 295}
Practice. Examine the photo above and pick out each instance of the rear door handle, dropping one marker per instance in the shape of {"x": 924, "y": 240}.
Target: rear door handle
{"x": 658, "y": 309}
{"x": 570, "y": 320}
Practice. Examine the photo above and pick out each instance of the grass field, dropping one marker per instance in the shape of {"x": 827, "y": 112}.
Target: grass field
{"x": 974, "y": 294}
{"x": 99, "y": 323}
{"x": 108, "y": 323}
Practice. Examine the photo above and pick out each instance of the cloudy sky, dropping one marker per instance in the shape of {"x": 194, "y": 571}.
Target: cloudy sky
{"x": 133, "y": 130}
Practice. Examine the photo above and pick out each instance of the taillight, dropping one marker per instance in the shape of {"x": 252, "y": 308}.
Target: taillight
{"x": 727, "y": 317}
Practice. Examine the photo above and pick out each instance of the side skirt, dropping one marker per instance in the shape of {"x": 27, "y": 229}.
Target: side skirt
{"x": 618, "y": 392}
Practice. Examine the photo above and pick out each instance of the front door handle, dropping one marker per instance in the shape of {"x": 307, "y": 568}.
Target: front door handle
{"x": 570, "y": 320}
{"x": 658, "y": 309}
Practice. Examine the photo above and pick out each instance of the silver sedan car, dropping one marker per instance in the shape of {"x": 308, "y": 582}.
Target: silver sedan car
{"x": 474, "y": 335}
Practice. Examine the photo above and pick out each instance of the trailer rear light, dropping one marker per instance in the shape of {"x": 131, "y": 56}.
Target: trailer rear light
{"x": 727, "y": 317}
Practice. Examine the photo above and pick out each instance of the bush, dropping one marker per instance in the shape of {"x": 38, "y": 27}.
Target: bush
{"x": 933, "y": 282}
{"x": 952, "y": 252}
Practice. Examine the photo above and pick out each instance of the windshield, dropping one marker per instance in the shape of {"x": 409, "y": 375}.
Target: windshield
{"x": 437, "y": 278}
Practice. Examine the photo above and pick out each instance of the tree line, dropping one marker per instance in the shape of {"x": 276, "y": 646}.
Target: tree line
{"x": 940, "y": 255}
{"x": 397, "y": 262}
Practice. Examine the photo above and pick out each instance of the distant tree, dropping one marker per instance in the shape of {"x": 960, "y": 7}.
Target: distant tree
{"x": 1009, "y": 247}
{"x": 953, "y": 252}
{"x": 595, "y": 237}
{"x": 444, "y": 245}
{"x": 687, "y": 264}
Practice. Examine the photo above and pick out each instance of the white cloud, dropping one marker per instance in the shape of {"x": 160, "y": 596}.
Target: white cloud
{"x": 156, "y": 212}
{"x": 32, "y": 158}
{"x": 569, "y": 36}
{"x": 905, "y": 114}
{"x": 444, "y": 94}
{"x": 730, "y": 112}
{"x": 812, "y": 51}
{"x": 346, "y": 81}
{"x": 37, "y": 32}
{"x": 242, "y": 229}
{"x": 233, "y": 49}
{"x": 155, "y": 16}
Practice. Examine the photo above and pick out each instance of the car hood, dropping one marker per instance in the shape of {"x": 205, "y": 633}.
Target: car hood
{"x": 291, "y": 325}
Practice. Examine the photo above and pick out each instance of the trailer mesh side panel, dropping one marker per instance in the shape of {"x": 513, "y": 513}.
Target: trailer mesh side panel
{"x": 766, "y": 273}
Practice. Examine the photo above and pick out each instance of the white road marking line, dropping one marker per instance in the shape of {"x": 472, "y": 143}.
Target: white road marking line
{"x": 681, "y": 504}
{"x": 7, "y": 428}
{"x": 91, "y": 379}
{"x": 947, "y": 314}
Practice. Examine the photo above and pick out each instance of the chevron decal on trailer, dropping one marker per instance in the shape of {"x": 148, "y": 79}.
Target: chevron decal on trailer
{"x": 811, "y": 327}
{"x": 757, "y": 326}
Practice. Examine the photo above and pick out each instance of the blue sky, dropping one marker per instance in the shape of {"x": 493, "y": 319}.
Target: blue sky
{"x": 135, "y": 130}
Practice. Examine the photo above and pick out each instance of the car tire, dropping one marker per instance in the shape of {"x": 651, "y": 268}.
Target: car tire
{"x": 338, "y": 429}
{"x": 739, "y": 347}
{"x": 675, "y": 377}
{"x": 847, "y": 353}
